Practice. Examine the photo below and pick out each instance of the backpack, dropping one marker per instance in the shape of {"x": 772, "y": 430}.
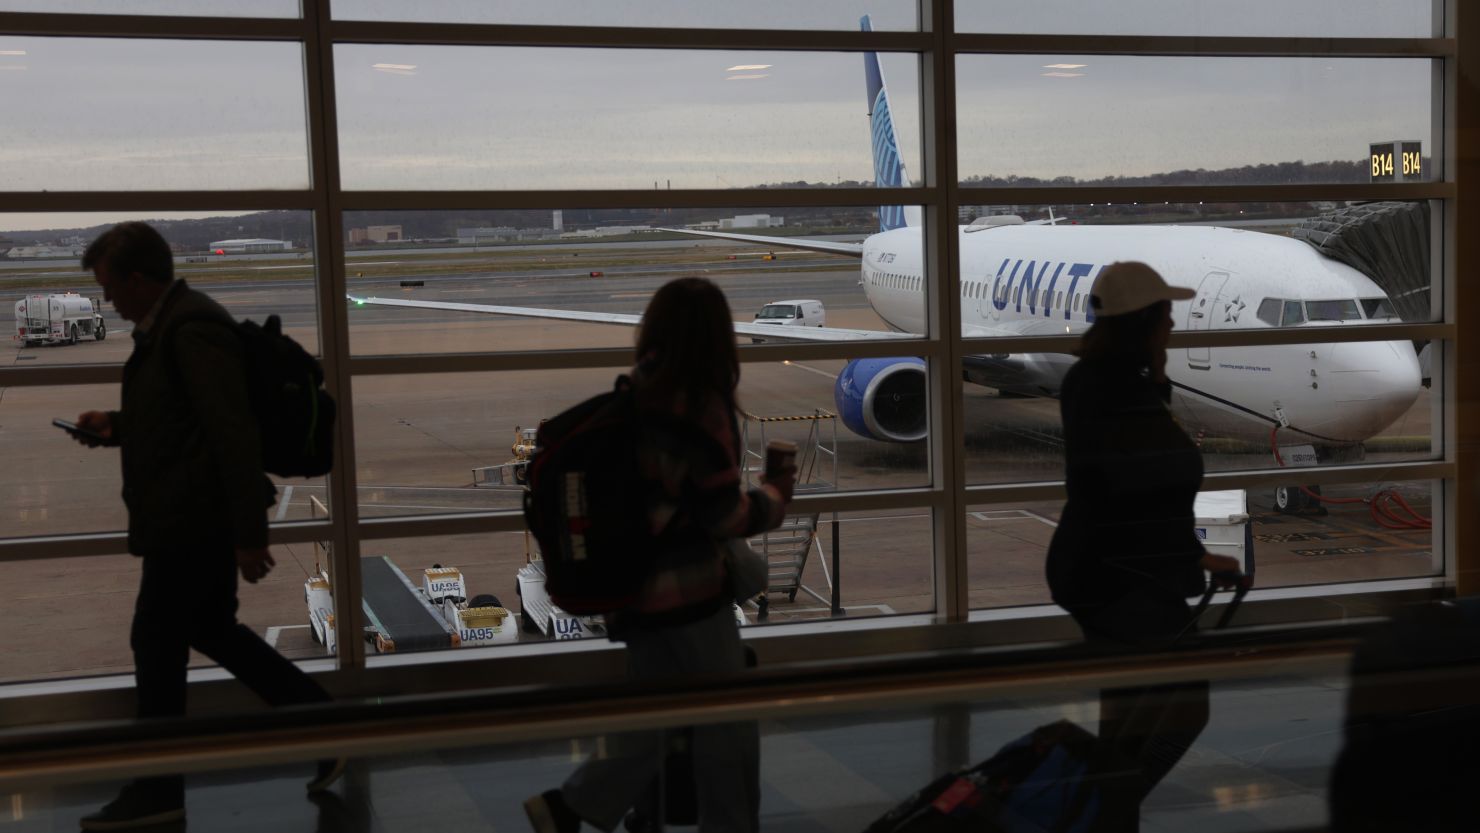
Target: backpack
{"x": 295, "y": 415}
{"x": 588, "y": 502}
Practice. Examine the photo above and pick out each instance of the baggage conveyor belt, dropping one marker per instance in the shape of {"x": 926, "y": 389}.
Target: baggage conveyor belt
{"x": 402, "y": 617}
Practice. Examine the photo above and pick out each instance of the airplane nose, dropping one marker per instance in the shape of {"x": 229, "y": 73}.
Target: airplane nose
{"x": 1370, "y": 385}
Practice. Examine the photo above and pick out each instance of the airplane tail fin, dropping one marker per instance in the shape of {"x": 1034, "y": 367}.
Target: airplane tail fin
{"x": 888, "y": 165}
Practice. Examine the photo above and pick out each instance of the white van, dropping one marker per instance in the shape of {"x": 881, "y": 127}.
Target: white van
{"x": 792, "y": 314}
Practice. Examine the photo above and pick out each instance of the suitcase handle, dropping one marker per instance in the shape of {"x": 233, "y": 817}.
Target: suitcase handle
{"x": 1241, "y": 584}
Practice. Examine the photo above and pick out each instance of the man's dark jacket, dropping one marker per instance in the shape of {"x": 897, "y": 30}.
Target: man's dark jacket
{"x": 192, "y": 459}
{"x": 1132, "y": 475}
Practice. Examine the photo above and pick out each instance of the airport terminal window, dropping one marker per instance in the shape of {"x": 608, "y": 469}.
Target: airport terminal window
{"x": 757, "y": 14}
{"x": 601, "y": 267}
{"x": 1280, "y": 120}
{"x": 69, "y": 618}
{"x": 1295, "y": 535}
{"x": 445, "y": 443}
{"x": 1207, "y": 18}
{"x": 1350, "y": 402}
{"x": 425, "y": 118}
{"x": 193, "y": 8}
{"x": 188, "y": 115}
{"x": 592, "y": 119}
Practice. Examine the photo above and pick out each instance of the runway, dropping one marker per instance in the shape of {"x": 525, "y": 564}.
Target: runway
{"x": 418, "y": 438}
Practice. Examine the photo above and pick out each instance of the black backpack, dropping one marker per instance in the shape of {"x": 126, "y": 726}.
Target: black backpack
{"x": 295, "y": 415}
{"x": 588, "y": 502}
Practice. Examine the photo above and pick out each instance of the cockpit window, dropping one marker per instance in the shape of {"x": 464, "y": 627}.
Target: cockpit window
{"x": 1341, "y": 309}
{"x": 777, "y": 311}
{"x": 1294, "y": 313}
{"x": 1269, "y": 311}
{"x": 1378, "y": 308}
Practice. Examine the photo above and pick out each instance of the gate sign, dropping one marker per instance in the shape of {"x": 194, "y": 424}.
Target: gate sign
{"x": 1396, "y": 161}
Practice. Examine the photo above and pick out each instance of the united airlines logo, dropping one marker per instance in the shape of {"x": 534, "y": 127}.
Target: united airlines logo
{"x": 888, "y": 169}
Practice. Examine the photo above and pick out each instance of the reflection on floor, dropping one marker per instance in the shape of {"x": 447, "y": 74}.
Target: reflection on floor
{"x": 1262, "y": 764}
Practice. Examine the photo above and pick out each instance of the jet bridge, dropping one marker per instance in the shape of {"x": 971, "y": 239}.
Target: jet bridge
{"x": 1386, "y": 241}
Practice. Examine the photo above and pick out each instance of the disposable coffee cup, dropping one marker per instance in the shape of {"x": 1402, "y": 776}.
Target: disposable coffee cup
{"x": 779, "y": 455}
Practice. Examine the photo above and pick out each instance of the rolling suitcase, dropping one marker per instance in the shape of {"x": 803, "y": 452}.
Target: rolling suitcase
{"x": 1056, "y": 779}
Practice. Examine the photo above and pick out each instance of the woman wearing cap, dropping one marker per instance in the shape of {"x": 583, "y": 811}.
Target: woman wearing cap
{"x": 1125, "y": 556}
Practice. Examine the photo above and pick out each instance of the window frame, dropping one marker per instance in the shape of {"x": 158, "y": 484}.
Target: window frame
{"x": 948, "y": 496}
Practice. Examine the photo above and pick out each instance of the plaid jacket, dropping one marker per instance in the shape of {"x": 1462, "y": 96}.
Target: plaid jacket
{"x": 701, "y": 492}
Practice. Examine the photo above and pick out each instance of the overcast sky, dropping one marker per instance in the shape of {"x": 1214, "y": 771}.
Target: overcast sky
{"x": 129, "y": 114}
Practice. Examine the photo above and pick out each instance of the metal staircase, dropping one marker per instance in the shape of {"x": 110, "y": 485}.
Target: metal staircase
{"x": 787, "y": 548}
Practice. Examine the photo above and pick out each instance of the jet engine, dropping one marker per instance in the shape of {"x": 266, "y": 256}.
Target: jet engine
{"x": 883, "y": 399}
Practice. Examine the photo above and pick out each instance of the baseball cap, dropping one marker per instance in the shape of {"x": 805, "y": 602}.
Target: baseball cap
{"x": 1129, "y": 285}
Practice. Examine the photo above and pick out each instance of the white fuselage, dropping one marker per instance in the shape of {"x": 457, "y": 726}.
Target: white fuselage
{"x": 1027, "y": 280}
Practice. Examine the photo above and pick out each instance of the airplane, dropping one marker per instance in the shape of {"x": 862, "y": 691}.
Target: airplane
{"x": 1034, "y": 278}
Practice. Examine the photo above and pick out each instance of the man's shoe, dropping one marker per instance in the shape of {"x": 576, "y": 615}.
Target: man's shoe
{"x": 329, "y": 771}
{"x": 135, "y": 807}
{"x": 548, "y": 813}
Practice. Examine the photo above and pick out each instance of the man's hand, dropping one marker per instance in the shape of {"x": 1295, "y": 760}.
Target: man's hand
{"x": 1226, "y": 570}
{"x": 254, "y": 563}
{"x": 97, "y": 422}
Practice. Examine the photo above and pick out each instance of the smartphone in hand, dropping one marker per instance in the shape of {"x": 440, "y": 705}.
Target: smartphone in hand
{"x": 77, "y": 431}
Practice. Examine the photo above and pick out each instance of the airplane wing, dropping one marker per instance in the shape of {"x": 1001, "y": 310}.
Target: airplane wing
{"x": 762, "y": 332}
{"x": 849, "y": 249}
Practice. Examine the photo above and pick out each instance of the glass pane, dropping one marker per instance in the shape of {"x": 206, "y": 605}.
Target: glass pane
{"x": 255, "y": 264}
{"x": 610, "y": 118}
{"x": 435, "y": 281}
{"x": 70, "y": 617}
{"x": 450, "y": 442}
{"x": 1355, "y": 402}
{"x": 759, "y": 14}
{"x": 54, "y": 486}
{"x": 101, "y": 114}
{"x": 496, "y": 583}
{"x": 1208, "y": 18}
{"x": 1292, "y": 536}
{"x": 1131, "y": 120}
{"x": 189, "y": 8}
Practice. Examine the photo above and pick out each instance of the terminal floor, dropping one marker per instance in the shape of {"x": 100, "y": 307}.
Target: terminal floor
{"x": 1262, "y": 764}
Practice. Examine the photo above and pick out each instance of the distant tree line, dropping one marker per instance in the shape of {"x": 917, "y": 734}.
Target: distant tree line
{"x": 297, "y": 226}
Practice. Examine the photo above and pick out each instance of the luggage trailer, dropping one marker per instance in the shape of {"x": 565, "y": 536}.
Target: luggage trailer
{"x": 400, "y": 616}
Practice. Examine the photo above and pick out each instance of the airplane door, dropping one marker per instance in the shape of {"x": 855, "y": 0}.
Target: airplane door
{"x": 1200, "y": 316}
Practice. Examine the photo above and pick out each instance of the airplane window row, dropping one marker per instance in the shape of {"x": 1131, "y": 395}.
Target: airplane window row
{"x": 1279, "y": 312}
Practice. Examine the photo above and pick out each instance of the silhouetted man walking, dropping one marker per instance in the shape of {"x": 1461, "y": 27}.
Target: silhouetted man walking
{"x": 196, "y": 497}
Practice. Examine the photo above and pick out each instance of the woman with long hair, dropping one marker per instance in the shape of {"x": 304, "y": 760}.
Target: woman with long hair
{"x": 1126, "y": 555}
{"x": 683, "y": 622}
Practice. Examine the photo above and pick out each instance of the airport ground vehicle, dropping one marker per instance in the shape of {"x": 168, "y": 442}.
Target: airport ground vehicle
{"x": 58, "y": 318}
{"x": 403, "y": 617}
{"x": 798, "y": 313}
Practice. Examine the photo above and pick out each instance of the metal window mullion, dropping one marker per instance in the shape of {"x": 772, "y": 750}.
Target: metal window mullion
{"x": 1198, "y": 46}
{"x": 334, "y": 330}
{"x": 509, "y": 521}
{"x": 390, "y": 365}
{"x": 353, "y": 200}
{"x": 943, "y": 313}
{"x": 78, "y": 545}
{"x": 988, "y": 494}
{"x": 623, "y": 37}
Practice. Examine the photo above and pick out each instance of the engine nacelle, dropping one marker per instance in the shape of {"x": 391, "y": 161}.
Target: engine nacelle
{"x": 883, "y": 399}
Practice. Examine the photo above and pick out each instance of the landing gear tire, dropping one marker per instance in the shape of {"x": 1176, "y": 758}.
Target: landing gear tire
{"x": 1287, "y": 499}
